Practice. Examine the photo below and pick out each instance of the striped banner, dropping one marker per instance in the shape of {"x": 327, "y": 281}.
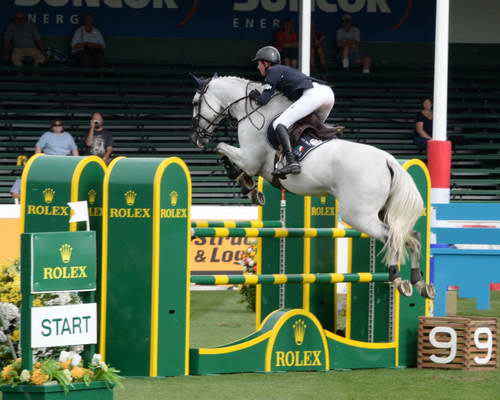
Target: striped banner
{"x": 278, "y": 279}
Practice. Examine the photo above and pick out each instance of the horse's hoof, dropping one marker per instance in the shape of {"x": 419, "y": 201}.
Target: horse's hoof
{"x": 245, "y": 181}
{"x": 257, "y": 198}
{"x": 404, "y": 287}
{"x": 427, "y": 291}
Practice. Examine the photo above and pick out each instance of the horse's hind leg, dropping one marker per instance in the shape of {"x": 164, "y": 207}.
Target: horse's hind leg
{"x": 372, "y": 226}
{"x": 425, "y": 289}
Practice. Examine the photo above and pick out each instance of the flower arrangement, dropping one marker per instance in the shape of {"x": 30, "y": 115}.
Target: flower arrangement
{"x": 249, "y": 266}
{"x": 65, "y": 371}
{"x": 10, "y": 318}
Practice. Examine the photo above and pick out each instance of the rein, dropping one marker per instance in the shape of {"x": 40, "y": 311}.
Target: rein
{"x": 203, "y": 133}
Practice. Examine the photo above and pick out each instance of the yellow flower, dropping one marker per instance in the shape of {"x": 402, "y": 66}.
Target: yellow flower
{"x": 6, "y": 372}
{"x": 38, "y": 378}
{"x": 66, "y": 364}
{"x": 38, "y": 364}
{"x": 77, "y": 372}
{"x": 15, "y": 335}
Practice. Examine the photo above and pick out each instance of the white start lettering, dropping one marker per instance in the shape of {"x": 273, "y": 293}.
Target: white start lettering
{"x": 329, "y": 6}
{"x": 137, "y": 4}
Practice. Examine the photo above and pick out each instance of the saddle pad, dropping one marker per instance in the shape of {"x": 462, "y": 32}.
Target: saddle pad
{"x": 306, "y": 144}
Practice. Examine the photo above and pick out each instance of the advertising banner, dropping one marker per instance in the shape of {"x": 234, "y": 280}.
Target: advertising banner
{"x": 378, "y": 20}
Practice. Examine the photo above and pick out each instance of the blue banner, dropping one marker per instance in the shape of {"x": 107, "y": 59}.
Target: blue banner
{"x": 378, "y": 20}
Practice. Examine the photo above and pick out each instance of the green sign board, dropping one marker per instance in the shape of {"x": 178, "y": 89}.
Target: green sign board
{"x": 62, "y": 261}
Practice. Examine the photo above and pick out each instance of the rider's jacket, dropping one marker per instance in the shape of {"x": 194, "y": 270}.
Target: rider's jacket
{"x": 290, "y": 81}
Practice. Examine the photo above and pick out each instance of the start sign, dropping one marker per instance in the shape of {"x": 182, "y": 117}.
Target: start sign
{"x": 64, "y": 325}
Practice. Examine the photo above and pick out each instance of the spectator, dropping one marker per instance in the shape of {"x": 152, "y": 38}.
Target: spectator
{"x": 287, "y": 43}
{"x": 57, "y": 141}
{"x": 348, "y": 39}
{"x": 99, "y": 141}
{"x": 23, "y": 40}
{"x": 15, "y": 190}
{"x": 317, "y": 48}
{"x": 423, "y": 125}
{"x": 87, "y": 45}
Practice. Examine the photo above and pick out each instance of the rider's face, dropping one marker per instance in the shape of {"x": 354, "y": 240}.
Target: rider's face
{"x": 261, "y": 66}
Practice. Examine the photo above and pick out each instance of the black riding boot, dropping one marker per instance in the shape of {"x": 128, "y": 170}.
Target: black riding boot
{"x": 292, "y": 166}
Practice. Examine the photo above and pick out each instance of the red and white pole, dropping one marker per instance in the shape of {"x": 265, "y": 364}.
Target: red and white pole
{"x": 439, "y": 149}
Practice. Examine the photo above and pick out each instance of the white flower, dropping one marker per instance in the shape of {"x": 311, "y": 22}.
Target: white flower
{"x": 67, "y": 374}
{"x": 25, "y": 376}
{"x": 75, "y": 359}
{"x": 9, "y": 313}
{"x": 3, "y": 337}
{"x": 103, "y": 366}
{"x": 64, "y": 356}
{"x": 96, "y": 359}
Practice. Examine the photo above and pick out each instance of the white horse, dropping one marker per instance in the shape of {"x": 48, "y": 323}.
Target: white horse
{"x": 368, "y": 182}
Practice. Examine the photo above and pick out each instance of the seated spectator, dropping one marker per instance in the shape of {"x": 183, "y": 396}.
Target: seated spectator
{"x": 21, "y": 40}
{"x": 317, "y": 48}
{"x": 288, "y": 44}
{"x": 57, "y": 141}
{"x": 99, "y": 141}
{"x": 87, "y": 45}
{"x": 348, "y": 40}
{"x": 423, "y": 125}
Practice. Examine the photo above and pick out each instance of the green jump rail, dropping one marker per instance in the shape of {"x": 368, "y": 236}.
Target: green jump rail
{"x": 279, "y": 279}
{"x": 278, "y": 232}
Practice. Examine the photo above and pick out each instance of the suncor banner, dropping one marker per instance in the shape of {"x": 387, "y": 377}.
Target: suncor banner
{"x": 378, "y": 20}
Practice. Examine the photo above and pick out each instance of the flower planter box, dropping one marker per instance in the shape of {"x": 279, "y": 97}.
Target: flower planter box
{"x": 79, "y": 391}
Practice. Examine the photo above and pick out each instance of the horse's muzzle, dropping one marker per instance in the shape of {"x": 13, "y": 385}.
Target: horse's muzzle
{"x": 198, "y": 141}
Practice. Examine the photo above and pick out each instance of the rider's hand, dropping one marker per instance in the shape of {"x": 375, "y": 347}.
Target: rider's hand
{"x": 254, "y": 94}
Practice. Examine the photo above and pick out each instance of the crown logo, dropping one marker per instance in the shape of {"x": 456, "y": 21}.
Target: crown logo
{"x": 65, "y": 250}
{"x": 322, "y": 199}
{"x": 130, "y": 196}
{"x": 48, "y": 195}
{"x": 173, "y": 198}
{"x": 299, "y": 331}
{"x": 92, "y": 195}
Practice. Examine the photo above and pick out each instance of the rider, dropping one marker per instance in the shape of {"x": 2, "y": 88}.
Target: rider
{"x": 307, "y": 95}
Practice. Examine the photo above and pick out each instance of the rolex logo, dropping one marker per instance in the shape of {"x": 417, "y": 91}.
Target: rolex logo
{"x": 91, "y": 196}
{"x": 173, "y": 198}
{"x": 130, "y": 196}
{"x": 48, "y": 195}
{"x": 65, "y": 250}
{"x": 299, "y": 331}
{"x": 322, "y": 199}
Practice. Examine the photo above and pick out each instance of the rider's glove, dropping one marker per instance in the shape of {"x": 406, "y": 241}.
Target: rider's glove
{"x": 254, "y": 94}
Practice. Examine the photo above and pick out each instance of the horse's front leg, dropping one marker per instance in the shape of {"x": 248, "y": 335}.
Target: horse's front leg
{"x": 246, "y": 162}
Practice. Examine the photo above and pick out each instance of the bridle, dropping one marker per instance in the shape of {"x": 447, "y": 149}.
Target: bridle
{"x": 204, "y": 133}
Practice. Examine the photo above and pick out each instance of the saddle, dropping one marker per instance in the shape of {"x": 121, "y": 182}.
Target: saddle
{"x": 311, "y": 125}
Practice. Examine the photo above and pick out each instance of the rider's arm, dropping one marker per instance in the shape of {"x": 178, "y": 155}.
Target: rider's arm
{"x": 266, "y": 95}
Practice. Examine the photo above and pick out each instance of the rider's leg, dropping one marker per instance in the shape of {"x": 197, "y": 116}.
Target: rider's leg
{"x": 292, "y": 166}
{"x": 328, "y": 101}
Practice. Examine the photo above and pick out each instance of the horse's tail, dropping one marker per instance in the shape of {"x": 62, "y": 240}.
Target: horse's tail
{"x": 403, "y": 208}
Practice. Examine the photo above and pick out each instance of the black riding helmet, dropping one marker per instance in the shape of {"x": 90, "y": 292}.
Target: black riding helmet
{"x": 268, "y": 53}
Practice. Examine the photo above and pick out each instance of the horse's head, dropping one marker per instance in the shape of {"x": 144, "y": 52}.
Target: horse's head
{"x": 208, "y": 112}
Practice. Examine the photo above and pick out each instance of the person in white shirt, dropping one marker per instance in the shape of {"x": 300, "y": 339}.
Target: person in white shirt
{"x": 348, "y": 40}
{"x": 87, "y": 45}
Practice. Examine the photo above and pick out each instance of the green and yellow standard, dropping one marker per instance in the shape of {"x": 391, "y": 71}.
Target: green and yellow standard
{"x": 145, "y": 282}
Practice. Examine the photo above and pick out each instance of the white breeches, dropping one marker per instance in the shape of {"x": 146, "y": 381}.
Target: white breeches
{"x": 319, "y": 99}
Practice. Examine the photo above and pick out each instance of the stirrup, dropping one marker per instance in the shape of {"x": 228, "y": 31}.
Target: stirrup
{"x": 293, "y": 168}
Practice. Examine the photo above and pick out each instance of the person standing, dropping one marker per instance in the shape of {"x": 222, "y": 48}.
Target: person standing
{"x": 56, "y": 142}
{"x": 99, "y": 141}
{"x": 87, "y": 45}
{"x": 23, "y": 40}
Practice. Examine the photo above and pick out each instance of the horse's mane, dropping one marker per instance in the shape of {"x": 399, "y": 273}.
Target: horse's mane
{"x": 239, "y": 79}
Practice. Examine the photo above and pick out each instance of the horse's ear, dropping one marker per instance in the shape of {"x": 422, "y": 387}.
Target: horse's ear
{"x": 216, "y": 75}
{"x": 199, "y": 82}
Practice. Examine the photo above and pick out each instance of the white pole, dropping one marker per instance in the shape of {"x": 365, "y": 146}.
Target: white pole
{"x": 305, "y": 36}
{"x": 441, "y": 71}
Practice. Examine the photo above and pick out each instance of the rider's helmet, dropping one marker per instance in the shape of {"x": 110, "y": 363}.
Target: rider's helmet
{"x": 268, "y": 53}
